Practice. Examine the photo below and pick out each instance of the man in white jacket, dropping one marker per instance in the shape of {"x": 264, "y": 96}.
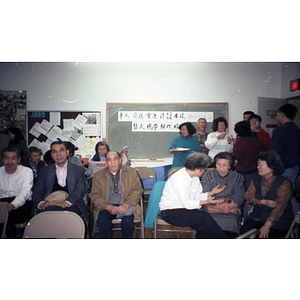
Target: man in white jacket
{"x": 182, "y": 199}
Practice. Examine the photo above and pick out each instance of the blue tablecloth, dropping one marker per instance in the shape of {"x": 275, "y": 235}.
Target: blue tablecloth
{"x": 161, "y": 175}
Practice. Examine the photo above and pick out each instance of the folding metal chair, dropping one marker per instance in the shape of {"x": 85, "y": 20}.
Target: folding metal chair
{"x": 146, "y": 173}
{"x": 173, "y": 170}
{"x": 138, "y": 221}
{"x": 293, "y": 231}
{"x": 160, "y": 221}
{"x": 3, "y": 219}
{"x": 55, "y": 224}
{"x": 95, "y": 213}
{"x": 251, "y": 234}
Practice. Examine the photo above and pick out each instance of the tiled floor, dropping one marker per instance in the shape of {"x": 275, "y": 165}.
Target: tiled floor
{"x": 149, "y": 234}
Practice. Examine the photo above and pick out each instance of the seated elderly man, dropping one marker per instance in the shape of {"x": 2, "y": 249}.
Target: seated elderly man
{"x": 15, "y": 189}
{"x": 61, "y": 176}
{"x": 116, "y": 191}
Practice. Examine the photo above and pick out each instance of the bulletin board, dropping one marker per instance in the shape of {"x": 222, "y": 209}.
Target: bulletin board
{"x": 148, "y": 129}
{"x": 83, "y": 129}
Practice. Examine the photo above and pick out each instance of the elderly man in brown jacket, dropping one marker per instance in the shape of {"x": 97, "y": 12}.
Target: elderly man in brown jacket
{"x": 116, "y": 191}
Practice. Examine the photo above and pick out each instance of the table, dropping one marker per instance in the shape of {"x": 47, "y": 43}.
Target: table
{"x": 161, "y": 170}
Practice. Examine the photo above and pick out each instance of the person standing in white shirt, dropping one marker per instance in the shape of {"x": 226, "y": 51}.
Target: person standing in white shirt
{"x": 183, "y": 198}
{"x": 16, "y": 182}
{"x": 219, "y": 140}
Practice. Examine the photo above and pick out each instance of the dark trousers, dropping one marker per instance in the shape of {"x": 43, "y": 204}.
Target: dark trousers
{"x": 104, "y": 225}
{"x": 250, "y": 224}
{"x": 19, "y": 215}
{"x": 199, "y": 220}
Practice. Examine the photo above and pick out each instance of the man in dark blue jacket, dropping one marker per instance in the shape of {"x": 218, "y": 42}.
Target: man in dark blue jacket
{"x": 286, "y": 142}
{"x": 61, "y": 176}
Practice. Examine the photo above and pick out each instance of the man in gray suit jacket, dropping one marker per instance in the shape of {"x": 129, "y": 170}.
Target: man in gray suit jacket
{"x": 61, "y": 176}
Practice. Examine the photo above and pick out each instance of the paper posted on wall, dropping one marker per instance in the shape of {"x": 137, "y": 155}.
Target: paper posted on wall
{"x": 97, "y": 165}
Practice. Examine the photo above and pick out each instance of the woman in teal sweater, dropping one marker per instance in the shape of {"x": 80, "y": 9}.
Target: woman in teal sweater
{"x": 185, "y": 140}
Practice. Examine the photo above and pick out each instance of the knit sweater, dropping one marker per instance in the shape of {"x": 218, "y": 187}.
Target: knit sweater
{"x": 216, "y": 145}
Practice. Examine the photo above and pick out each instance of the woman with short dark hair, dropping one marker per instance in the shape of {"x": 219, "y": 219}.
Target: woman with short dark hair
{"x": 245, "y": 152}
{"x": 34, "y": 161}
{"x": 219, "y": 140}
{"x": 227, "y": 214}
{"x": 101, "y": 149}
{"x": 182, "y": 199}
{"x": 255, "y": 121}
{"x": 270, "y": 194}
{"x": 185, "y": 140}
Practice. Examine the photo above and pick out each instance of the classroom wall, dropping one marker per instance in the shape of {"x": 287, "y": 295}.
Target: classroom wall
{"x": 289, "y": 72}
{"x": 88, "y": 86}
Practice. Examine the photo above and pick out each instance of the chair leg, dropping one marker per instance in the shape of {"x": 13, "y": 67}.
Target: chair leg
{"x": 142, "y": 230}
{"x": 193, "y": 234}
{"x": 155, "y": 229}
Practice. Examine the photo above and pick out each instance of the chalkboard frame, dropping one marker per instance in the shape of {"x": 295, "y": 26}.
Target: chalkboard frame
{"x": 142, "y": 145}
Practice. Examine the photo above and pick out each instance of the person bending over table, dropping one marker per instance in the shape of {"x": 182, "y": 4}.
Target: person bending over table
{"x": 182, "y": 199}
{"x": 270, "y": 194}
{"x": 185, "y": 140}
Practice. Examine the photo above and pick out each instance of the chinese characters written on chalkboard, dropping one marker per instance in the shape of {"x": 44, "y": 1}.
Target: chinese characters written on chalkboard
{"x": 162, "y": 121}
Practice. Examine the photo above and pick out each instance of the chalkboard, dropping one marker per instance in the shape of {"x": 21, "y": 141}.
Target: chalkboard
{"x": 152, "y": 144}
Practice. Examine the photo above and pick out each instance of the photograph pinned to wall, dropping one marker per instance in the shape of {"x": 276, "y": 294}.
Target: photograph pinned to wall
{"x": 76, "y": 133}
{"x": 92, "y": 126}
{"x": 13, "y": 105}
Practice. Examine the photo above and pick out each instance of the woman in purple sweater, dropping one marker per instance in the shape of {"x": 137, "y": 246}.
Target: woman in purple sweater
{"x": 245, "y": 151}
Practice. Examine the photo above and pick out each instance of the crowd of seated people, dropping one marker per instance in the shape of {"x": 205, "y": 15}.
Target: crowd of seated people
{"x": 229, "y": 186}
